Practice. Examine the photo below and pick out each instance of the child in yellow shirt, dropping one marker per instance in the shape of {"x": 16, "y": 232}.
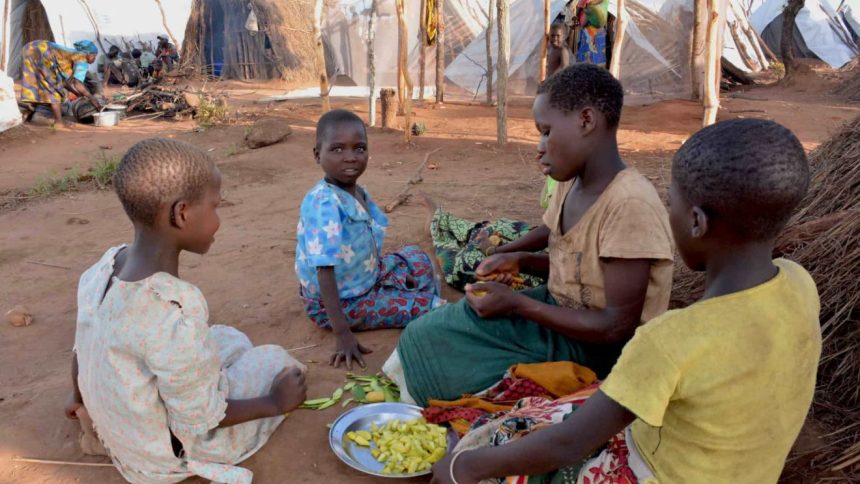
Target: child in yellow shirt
{"x": 718, "y": 391}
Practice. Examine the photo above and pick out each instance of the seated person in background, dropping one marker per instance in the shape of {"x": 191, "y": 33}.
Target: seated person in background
{"x": 170, "y": 396}
{"x": 716, "y": 392}
{"x": 347, "y": 284}
{"x": 609, "y": 263}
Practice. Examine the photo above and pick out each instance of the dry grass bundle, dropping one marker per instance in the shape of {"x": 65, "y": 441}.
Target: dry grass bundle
{"x": 850, "y": 88}
{"x": 824, "y": 237}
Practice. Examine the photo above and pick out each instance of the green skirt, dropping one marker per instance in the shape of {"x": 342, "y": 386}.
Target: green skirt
{"x": 451, "y": 351}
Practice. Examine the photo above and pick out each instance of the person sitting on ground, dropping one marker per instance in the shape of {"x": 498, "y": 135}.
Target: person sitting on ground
{"x": 609, "y": 264}
{"x": 718, "y": 391}
{"x": 557, "y": 56}
{"x": 51, "y": 69}
{"x": 170, "y": 396}
{"x": 166, "y": 52}
{"x": 346, "y": 283}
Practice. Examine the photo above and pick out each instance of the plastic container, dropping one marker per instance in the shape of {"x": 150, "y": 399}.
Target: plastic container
{"x": 106, "y": 118}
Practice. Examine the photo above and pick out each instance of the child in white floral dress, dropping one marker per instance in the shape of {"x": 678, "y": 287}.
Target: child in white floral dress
{"x": 168, "y": 395}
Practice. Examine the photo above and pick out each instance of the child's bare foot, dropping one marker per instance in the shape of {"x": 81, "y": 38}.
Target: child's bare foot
{"x": 90, "y": 443}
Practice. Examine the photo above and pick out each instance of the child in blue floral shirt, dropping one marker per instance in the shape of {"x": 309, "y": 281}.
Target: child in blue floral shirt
{"x": 346, "y": 283}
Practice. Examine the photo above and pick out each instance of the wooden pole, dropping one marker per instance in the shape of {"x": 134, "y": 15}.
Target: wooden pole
{"x": 387, "y": 98}
{"x": 786, "y": 47}
{"x": 164, "y": 22}
{"x": 440, "y": 52}
{"x": 712, "y": 65}
{"x": 422, "y": 52}
{"x": 620, "y": 28}
{"x": 751, "y": 63}
{"x": 320, "y": 56}
{"x": 749, "y": 32}
{"x": 371, "y": 63}
{"x": 491, "y": 7}
{"x": 403, "y": 67}
{"x": 544, "y": 43}
{"x": 697, "y": 47}
{"x": 502, "y": 82}
{"x": 7, "y": 36}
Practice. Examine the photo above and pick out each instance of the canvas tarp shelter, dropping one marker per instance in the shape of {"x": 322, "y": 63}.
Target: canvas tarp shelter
{"x": 655, "y": 58}
{"x": 104, "y": 22}
{"x": 823, "y": 29}
{"x": 9, "y": 114}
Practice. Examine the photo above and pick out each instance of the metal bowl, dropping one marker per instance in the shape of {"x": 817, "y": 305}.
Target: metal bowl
{"x": 360, "y": 418}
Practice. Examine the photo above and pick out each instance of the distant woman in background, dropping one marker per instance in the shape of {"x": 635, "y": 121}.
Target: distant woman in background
{"x": 50, "y": 69}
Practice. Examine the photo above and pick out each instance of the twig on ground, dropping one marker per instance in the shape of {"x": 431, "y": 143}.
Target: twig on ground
{"x": 48, "y": 265}
{"x": 403, "y": 196}
{"x": 61, "y": 462}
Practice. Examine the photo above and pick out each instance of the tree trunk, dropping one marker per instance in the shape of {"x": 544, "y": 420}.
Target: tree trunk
{"x": 697, "y": 47}
{"x": 491, "y": 7}
{"x": 440, "y": 52}
{"x": 371, "y": 63}
{"x": 320, "y": 56}
{"x": 789, "y": 14}
{"x": 620, "y": 28}
{"x": 544, "y": 44}
{"x": 387, "y": 99}
{"x": 422, "y": 46}
{"x": 713, "y": 51}
{"x": 403, "y": 67}
{"x": 502, "y": 82}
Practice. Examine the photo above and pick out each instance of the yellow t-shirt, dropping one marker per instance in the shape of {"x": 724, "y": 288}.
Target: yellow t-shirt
{"x": 722, "y": 387}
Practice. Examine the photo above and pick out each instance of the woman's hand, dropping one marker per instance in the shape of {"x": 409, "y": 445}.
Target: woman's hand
{"x": 288, "y": 390}
{"x": 491, "y": 299}
{"x": 347, "y": 350}
{"x": 499, "y": 268}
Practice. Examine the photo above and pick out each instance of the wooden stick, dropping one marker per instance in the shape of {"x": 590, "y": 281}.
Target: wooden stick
{"x": 712, "y": 65}
{"x": 320, "y": 56}
{"x": 48, "y": 265}
{"x": 544, "y": 43}
{"x": 371, "y": 62}
{"x": 697, "y": 47}
{"x": 422, "y": 52}
{"x": 405, "y": 87}
{"x": 502, "y": 77}
{"x": 440, "y": 52}
{"x": 403, "y": 196}
{"x": 620, "y": 28}
{"x": 164, "y": 23}
{"x": 489, "y": 38}
{"x": 4, "y": 53}
{"x": 302, "y": 348}
{"x": 60, "y": 462}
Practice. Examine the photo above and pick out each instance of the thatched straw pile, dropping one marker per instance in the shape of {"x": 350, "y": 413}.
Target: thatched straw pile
{"x": 824, "y": 237}
{"x": 850, "y": 88}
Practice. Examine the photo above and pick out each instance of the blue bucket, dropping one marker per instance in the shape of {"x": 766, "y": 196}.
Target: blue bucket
{"x": 216, "y": 69}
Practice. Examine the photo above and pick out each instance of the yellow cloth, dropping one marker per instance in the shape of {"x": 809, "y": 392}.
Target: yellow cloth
{"x": 721, "y": 388}
{"x": 627, "y": 221}
{"x": 557, "y": 377}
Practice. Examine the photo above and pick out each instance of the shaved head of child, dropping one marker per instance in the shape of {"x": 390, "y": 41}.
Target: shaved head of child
{"x": 581, "y": 85}
{"x": 158, "y": 172}
{"x": 735, "y": 183}
{"x": 331, "y": 120}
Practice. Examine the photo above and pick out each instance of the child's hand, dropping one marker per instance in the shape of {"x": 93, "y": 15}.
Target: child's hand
{"x": 288, "y": 389}
{"x": 71, "y": 406}
{"x": 499, "y": 268}
{"x": 347, "y": 350}
{"x": 490, "y": 299}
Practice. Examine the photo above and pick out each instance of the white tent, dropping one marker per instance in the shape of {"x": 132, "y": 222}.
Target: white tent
{"x": 825, "y": 28}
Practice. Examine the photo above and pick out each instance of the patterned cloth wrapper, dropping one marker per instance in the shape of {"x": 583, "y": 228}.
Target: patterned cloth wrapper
{"x": 406, "y": 289}
{"x": 46, "y": 68}
{"x": 460, "y": 245}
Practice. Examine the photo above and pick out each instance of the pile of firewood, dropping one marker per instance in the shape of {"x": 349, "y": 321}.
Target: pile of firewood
{"x": 170, "y": 103}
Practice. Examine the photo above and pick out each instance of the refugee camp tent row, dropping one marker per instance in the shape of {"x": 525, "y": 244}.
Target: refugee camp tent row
{"x": 269, "y": 39}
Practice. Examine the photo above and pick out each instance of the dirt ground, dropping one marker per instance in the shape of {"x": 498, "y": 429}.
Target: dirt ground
{"x": 248, "y": 276}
